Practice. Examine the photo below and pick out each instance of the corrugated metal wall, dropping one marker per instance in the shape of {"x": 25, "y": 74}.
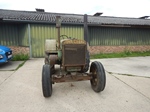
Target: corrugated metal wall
{"x": 18, "y": 35}
{"x": 119, "y": 36}
{"x": 38, "y": 35}
{"x": 13, "y": 34}
{"x": 41, "y": 32}
{"x": 23, "y": 35}
{"x": 8, "y": 34}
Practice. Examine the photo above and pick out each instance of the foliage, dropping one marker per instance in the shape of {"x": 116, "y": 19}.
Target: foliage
{"x": 20, "y": 57}
{"x": 119, "y": 55}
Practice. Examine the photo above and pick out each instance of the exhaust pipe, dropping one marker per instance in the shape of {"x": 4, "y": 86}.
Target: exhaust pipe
{"x": 58, "y": 25}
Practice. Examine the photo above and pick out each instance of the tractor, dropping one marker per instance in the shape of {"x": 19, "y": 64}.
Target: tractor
{"x": 71, "y": 56}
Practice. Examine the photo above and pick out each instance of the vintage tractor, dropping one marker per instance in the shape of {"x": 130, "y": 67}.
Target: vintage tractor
{"x": 72, "y": 59}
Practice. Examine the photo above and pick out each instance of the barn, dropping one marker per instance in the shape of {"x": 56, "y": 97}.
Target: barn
{"x": 26, "y": 31}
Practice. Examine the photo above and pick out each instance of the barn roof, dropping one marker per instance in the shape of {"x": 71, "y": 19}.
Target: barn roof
{"x": 49, "y": 17}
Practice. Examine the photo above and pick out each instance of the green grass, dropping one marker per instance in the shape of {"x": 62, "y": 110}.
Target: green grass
{"x": 20, "y": 65}
{"x": 20, "y": 57}
{"x": 120, "y": 55}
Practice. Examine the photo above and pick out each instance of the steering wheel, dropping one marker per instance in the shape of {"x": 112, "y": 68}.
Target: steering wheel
{"x": 64, "y": 36}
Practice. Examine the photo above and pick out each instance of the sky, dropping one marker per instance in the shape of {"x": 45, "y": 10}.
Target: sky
{"x": 117, "y": 8}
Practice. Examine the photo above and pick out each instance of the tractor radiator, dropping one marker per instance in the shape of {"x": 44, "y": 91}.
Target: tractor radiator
{"x": 74, "y": 53}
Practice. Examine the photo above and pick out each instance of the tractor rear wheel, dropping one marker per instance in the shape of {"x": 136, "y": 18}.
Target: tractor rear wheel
{"x": 46, "y": 81}
{"x": 98, "y": 80}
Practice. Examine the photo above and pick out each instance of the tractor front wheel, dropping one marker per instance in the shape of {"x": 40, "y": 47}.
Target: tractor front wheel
{"x": 46, "y": 81}
{"x": 98, "y": 80}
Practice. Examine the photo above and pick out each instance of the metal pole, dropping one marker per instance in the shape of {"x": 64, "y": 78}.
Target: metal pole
{"x": 58, "y": 25}
{"x": 30, "y": 45}
{"x": 86, "y": 36}
{"x": 58, "y": 38}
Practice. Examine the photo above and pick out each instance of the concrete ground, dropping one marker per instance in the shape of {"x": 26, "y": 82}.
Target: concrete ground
{"x": 9, "y": 66}
{"x": 139, "y": 66}
{"x": 7, "y": 69}
{"x": 21, "y": 91}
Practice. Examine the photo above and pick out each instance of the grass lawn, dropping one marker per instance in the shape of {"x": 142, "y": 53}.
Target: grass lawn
{"x": 120, "y": 55}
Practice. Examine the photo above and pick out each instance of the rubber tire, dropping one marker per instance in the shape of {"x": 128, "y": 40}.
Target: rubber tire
{"x": 46, "y": 81}
{"x": 100, "y": 74}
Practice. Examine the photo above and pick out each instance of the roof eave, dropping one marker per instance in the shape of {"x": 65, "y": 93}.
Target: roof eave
{"x": 116, "y": 25}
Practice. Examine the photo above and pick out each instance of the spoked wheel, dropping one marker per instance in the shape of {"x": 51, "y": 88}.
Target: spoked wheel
{"x": 98, "y": 80}
{"x": 46, "y": 81}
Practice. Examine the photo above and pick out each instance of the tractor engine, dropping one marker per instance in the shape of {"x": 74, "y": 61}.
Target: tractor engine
{"x": 72, "y": 55}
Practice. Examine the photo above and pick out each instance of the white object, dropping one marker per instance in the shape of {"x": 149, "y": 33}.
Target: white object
{"x": 50, "y": 45}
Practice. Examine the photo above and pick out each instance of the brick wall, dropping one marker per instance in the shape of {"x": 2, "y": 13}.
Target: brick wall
{"x": 115, "y": 49}
{"x": 92, "y": 49}
{"x": 19, "y": 50}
